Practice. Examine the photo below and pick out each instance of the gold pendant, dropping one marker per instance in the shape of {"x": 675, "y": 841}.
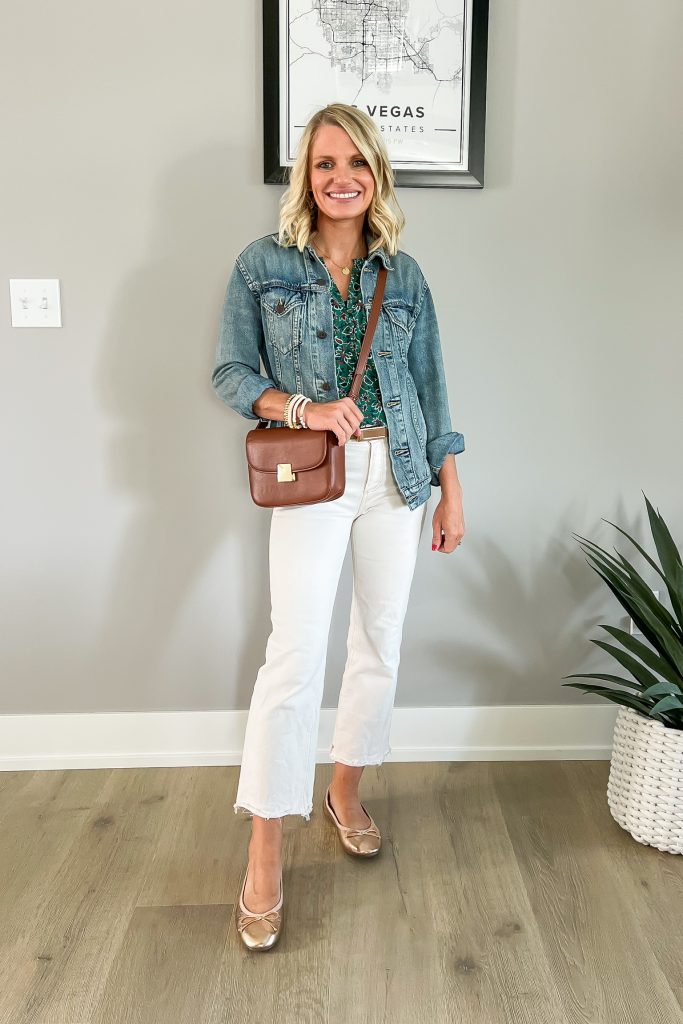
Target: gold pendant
{"x": 346, "y": 270}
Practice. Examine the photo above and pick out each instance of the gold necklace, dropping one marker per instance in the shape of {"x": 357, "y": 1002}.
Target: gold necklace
{"x": 346, "y": 270}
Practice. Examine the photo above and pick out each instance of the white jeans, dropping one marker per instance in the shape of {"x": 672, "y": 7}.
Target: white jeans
{"x": 308, "y": 544}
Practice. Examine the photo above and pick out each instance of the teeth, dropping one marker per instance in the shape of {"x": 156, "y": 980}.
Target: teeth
{"x": 343, "y": 195}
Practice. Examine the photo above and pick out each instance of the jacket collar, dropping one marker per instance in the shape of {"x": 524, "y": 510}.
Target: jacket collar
{"x": 379, "y": 253}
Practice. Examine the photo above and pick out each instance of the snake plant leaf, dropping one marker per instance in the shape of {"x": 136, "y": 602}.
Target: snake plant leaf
{"x": 649, "y": 597}
{"x": 616, "y": 696}
{"x": 662, "y": 687}
{"x": 665, "y": 704}
{"x": 642, "y": 675}
{"x": 642, "y": 550}
{"x": 673, "y": 577}
{"x": 670, "y": 558}
{"x": 596, "y": 550}
{"x": 675, "y": 588}
{"x": 629, "y": 575}
{"x": 624, "y": 599}
{"x": 599, "y": 557}
{"x": 642, "y": 625}
{"x": 601, "y": 675}
{"x": 669, "y": 555}
{"x": 644, "y": 710}
{"x": 602, "y": 558}
{"x": 628, "y": 579}
{"x": 668, "y": 642}
{"x": 649, "y": 619}
{"x": 655, "y": 660}
{"x": 651, "y": 658}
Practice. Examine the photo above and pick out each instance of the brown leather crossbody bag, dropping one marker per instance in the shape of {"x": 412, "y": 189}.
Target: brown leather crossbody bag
{"x": 301, "y": 467}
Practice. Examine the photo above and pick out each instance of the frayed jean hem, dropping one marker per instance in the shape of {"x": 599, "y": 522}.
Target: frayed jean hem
{"x": 261, "y": 813}
{"x": 356, "y": 763}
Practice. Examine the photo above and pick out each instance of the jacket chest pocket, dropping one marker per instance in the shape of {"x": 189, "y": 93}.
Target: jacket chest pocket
{"x": 282, "y": 315}
{"x": 400, "y": 317}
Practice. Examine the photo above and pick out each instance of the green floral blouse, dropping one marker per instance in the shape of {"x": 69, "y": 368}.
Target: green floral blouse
{"x": 350, "y": 320}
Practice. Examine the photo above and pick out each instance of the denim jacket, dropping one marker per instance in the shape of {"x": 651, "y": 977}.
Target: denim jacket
{"x": 278, "y": 309}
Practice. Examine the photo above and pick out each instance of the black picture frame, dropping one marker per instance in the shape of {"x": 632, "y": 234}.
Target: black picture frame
{"x": 471, "y": 176}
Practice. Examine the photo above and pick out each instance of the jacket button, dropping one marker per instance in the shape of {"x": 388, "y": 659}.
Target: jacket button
{"x": 321, "y": 333}
{"x": 326, "y": 386}
{"x": 321, "y": 280}
{"x": 279, "y": 306}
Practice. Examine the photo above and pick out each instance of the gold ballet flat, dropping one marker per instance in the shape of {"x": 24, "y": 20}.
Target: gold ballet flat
{"x": 361, "y": 842}
{"x": 259, "y": 931}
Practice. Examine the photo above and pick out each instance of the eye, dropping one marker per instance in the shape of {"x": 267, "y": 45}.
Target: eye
{"x": 323, "y": 163}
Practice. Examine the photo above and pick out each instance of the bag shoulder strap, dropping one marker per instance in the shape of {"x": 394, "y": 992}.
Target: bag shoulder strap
{"x": 354, "y": 390}
{"x": 367, "y": 339}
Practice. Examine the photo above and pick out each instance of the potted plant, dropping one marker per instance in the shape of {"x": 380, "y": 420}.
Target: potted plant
{"x": 645, "y": 787}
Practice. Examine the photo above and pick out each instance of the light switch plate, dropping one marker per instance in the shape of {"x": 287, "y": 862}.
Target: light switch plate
{"x": 35, "y": 302}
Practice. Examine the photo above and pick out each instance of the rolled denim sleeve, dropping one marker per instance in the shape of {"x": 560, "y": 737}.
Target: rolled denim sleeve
{"x": 236, "y": 378}
{"x": 425, "y": 362}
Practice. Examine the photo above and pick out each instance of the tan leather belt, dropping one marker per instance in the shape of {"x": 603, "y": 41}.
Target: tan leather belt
{"x": 370, "y": 432}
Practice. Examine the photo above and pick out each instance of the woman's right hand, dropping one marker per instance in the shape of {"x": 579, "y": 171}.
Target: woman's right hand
{"x": 342, "y": 417}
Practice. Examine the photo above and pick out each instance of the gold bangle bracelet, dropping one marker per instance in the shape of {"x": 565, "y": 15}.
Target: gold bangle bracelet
{"x": 285, "y": 414}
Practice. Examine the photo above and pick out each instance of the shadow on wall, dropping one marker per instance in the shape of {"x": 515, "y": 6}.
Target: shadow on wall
{"x": 175, "y": 451}
{"x": 536, "y": 624}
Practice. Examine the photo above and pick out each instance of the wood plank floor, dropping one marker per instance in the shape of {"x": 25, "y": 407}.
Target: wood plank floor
{"x": 504, "y": 892}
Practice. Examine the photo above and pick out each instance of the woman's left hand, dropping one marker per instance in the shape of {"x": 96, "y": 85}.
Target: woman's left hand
{"x": 448, "y": 523}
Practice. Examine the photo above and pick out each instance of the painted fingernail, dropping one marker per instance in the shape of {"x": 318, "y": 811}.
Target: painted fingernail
{"x": 433, "y": 547}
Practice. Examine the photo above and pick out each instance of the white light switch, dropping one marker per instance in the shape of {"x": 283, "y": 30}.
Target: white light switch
{"x": 35, "y": 302}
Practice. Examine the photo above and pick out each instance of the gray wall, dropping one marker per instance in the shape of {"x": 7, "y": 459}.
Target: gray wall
{"x": 133, "y": 563}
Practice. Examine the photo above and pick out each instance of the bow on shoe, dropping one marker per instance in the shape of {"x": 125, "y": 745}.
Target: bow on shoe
{"x": 271, "y": 916}
{"x": 371, "y": 830}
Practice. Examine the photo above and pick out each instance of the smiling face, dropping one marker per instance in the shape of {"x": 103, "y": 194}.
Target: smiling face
{"x": 341, "y": 180}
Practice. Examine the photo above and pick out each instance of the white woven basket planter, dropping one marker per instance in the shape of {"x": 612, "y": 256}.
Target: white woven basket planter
{"x": 645, "y": 785}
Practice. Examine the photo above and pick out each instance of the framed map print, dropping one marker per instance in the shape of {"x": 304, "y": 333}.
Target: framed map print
{"x": 417, "y": 67}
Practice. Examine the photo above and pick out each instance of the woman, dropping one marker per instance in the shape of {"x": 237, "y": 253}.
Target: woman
{"x": 299, "y": 301}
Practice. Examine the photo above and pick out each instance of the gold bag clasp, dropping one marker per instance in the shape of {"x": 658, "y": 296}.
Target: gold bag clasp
{"x": 284, "y": 472}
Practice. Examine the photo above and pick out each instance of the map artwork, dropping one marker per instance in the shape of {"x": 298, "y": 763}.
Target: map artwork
{"x": 404, "y": 62}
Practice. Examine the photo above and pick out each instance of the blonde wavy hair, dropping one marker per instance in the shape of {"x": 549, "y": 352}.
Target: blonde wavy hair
{"x": 298, "y": 211}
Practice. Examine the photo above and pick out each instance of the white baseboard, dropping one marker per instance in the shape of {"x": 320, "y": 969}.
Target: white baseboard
{"x": 146, "y": 739}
